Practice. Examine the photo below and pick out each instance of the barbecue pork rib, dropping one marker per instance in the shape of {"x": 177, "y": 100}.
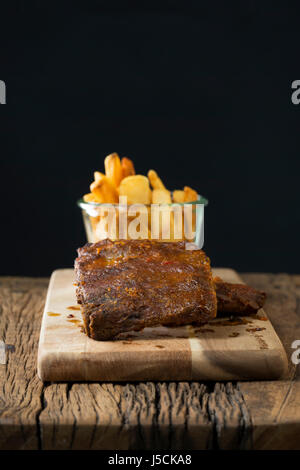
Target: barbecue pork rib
{"x": 238, "y": 298}
{"x": 128, "y": 285}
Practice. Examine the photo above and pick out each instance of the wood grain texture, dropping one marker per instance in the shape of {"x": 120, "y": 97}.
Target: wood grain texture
{"x": 191, "y": 415}
{"x": 275, "y": 406}
{"x": 21, "y": 303}
{"x": 216, "y": 351}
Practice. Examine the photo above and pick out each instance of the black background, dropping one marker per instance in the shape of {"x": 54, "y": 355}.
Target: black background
{"x": 199, "y": 91}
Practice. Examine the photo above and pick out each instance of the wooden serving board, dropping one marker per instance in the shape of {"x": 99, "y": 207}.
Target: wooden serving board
{"x": 220, "y": 350}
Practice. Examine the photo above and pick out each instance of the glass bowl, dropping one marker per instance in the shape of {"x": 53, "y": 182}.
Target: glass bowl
{"x": 166, "y": 222}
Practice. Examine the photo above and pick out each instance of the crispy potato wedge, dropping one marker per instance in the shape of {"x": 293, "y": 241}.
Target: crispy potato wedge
{"x": 178, "y": 196}
{"x": 155, "y": 180}
{"x": 162, "y": 223}
{"x": 94, "y": 223}
{"x": 136, "y": 188}
{"x": 161, "y": 196}
{"x": 98, "y": 175}
{"x": 113, "y": 169}
{"x": 104, "y": 191}
{"x": 190, "y": 194}
{"x": 107, "y": 226}
{"x": 120, "y": 180}
{"x": 127, "y": 167}
{"x": 90, "y": 197}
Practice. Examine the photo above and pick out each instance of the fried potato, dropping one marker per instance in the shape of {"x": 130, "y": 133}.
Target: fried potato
{"x": 103, "y": 190}
{"x": 89, "y": 198}
{"x": 107, "y": 226}
{"x": 94, "y": 222}
{"x": 136, "y": 188}
{"x": 190, "y": 194}
{"x": 162, "y": 222}
{"x": 178, "y": 196}
{"x": 127, "y": 167}
{"x": 190, "y": 219}
{"x": 98, "y": 175}
{"x": 161, "y": 196}
{"x": 155, "y": 180}
{"x": 120, "y": 180}
{"x": 113, "y": 169}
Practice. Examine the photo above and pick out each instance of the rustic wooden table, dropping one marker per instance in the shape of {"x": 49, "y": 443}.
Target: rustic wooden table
{"x": 243, "y": 415}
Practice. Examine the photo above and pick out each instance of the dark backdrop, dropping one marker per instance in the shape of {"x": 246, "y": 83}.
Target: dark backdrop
{"x": 199, "y": 91}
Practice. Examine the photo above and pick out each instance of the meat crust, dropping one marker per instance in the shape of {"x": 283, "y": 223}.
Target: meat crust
{"x": 132, "y": 284}
{"x": 238, "y": 298}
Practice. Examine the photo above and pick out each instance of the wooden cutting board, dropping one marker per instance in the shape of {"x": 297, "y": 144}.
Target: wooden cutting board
{"x": 220, "y": 350}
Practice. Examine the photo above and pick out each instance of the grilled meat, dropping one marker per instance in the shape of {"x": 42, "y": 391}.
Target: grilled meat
{"x": 238, "y": 298}
{"x": 132, "y": 284}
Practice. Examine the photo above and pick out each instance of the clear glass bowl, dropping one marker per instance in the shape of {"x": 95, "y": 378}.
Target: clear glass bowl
{"x": 189, "y": 216}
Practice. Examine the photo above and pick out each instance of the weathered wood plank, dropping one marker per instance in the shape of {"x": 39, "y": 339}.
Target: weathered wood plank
{"x": 182, "y": 416}
{"x": 132, "y": 416}
{"x": 143, "y": 415}
{"x": 230, "y": 417}
{"x": 21, "y": 303}
{"x": 275, "y": 406}
{"x": 83, "y": 416}
{"x": 281, "y": 306}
